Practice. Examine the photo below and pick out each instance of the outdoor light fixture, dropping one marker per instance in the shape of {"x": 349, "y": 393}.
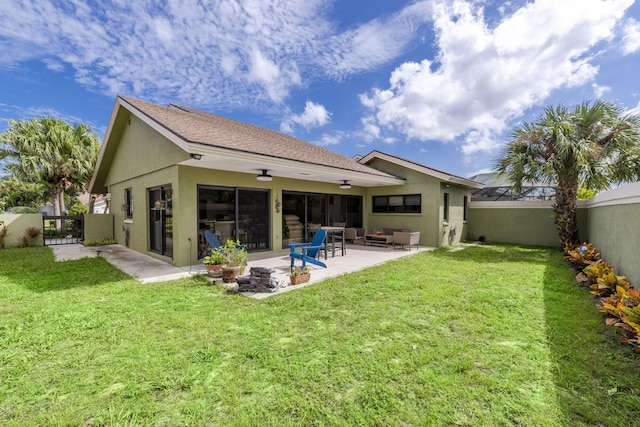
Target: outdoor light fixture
{"x": 195, "y": 156}
{"x": 264, "y": 176}
{"x": 345, "y": 185}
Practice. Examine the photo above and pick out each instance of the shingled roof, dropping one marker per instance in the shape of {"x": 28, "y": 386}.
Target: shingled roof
{"x": 206, "y": 129}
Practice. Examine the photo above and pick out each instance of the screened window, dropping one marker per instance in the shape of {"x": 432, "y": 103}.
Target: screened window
{"x": 446, "y": 207}
{"x": 407, "y": 203}
{"x": 465, "y": 208}
{"x": 128, "y": 202}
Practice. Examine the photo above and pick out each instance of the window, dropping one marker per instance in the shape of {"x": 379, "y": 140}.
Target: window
{"x": 465, "y": 208}
{"x": 128, "y": 202}
{"x": 446, "y": 207}
{"x": 407, "y": 203}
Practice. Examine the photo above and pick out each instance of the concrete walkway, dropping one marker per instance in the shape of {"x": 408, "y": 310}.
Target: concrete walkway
{"x": 148, "y": 269}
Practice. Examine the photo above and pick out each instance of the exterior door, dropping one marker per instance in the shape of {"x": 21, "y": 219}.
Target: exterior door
{"x": 161, "y": 221}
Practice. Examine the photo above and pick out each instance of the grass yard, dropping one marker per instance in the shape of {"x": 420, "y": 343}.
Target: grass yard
{"x": 493, "y": 335}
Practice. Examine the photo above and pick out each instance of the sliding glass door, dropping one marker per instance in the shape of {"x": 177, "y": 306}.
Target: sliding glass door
{"x": 234, "y": 213}
{"x": 304, "y": 212}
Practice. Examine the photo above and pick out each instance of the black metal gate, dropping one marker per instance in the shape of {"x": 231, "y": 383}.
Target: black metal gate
{"x": 62, "y": 229}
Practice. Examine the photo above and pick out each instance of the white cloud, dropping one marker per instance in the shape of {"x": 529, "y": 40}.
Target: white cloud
{"x": 326, "y": 139}
{"x": 482, "y": 77}
{"x": 631, "y": 37}
{"x": 376, "y": 42}
{"x": 635, "y": 110}
{"x": 598, "y": 90}
{"x": 216, "y": 53}
{"x": 19, "y": 112}
{"x": 314, "y": 115}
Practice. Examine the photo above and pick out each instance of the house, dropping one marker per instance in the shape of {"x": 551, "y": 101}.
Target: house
{"x": 170, "y": 173}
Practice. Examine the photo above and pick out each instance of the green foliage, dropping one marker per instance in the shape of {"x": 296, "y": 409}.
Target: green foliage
{"x": 592, "y": 145}
{"x": 216, "y": 257}
{"x": 234, "y": 254}
{"x": 50, "y": 151}
{"x": 299, "y": 271}
{"x": 4, "y": 232}
{"x": 23, "y": 210}
{"x": 100, "y": 242}
{"x": 78, "y": 209}
{"x": 585, "y": 193}
{"x": 14, "y": 192}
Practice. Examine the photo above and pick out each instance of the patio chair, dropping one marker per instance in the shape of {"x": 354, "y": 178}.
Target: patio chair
{"x": 309, "y": 251}
{"x": 354, "y": 235}
{"x": 213, "y": 241}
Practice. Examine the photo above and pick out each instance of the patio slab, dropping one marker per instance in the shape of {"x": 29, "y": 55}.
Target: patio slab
{"x": 148, "y": 269}
{"x": 357, "y": 257}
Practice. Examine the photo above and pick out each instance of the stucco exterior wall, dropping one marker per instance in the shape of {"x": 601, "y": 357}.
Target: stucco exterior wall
{"x": 430, "y": 223}
{"x": 522, "y": 223}
{"x": 98, "y": 226}
{"x": 144, "y": 159}
{"x": 17, "y": 224}
{"x": 614, "y": 228}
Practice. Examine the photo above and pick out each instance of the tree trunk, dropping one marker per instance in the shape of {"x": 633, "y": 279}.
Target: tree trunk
{"x": 58, "y": 207}
{"x": 565, "y": 208}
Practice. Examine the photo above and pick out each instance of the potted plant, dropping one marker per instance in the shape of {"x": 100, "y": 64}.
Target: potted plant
{"x": 300, "y": 275}
{"x": 213, "y": 263}
{"x": 234, "y": 260}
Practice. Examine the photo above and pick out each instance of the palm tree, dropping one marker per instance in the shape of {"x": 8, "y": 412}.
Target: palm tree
{"x": 595, "y": 145}
{"x": 52, "y": 151}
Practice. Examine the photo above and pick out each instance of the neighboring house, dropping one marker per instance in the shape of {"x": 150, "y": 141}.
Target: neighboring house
{"x": 498, "y": 188}
{"x": 169, "y": 173}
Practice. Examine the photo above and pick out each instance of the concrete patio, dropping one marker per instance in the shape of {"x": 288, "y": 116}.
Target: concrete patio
{"x": 148, "y": 269}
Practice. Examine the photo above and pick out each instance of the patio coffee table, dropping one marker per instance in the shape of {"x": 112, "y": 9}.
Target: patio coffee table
{"x": 378, "y": 239}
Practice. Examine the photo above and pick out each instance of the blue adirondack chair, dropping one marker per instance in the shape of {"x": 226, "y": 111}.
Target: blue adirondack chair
{"x": 213, "y": 241}
{"x": 308, "y": 252}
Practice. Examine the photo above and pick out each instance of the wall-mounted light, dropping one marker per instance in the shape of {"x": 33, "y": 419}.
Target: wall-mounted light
{"x": 264, "y": 176}
{"x": 345, "y": 185}
{"x": 195, "y": 156}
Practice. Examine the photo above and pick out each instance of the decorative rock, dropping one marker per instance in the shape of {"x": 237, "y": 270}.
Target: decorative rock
{"x": 259, "y": 280}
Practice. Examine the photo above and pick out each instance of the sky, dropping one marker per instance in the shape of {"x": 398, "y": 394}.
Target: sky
{"x": 442, "y": 83}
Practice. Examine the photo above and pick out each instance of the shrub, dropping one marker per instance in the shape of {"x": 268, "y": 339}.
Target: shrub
{"x": 616, "y": 296}
{"x": 30, "y": 233}
{"x": 623, "y": 307}
{"x": 100, "y": 242}
{"x": 580, "y": 256}
{"x": 4, "y": 232}
{"x": 78, "y": 209}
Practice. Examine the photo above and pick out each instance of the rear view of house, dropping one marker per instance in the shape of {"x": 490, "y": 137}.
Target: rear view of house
{"x": 170, "y": 173}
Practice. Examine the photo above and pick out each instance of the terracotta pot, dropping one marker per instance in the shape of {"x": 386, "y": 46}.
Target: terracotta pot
{"x": 229, "y": 274}
{"x": 302, "y": 278}
{"x": 214, "y": 270}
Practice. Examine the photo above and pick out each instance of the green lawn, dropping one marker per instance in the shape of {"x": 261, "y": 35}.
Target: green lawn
{"x": 493, "y": 335}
